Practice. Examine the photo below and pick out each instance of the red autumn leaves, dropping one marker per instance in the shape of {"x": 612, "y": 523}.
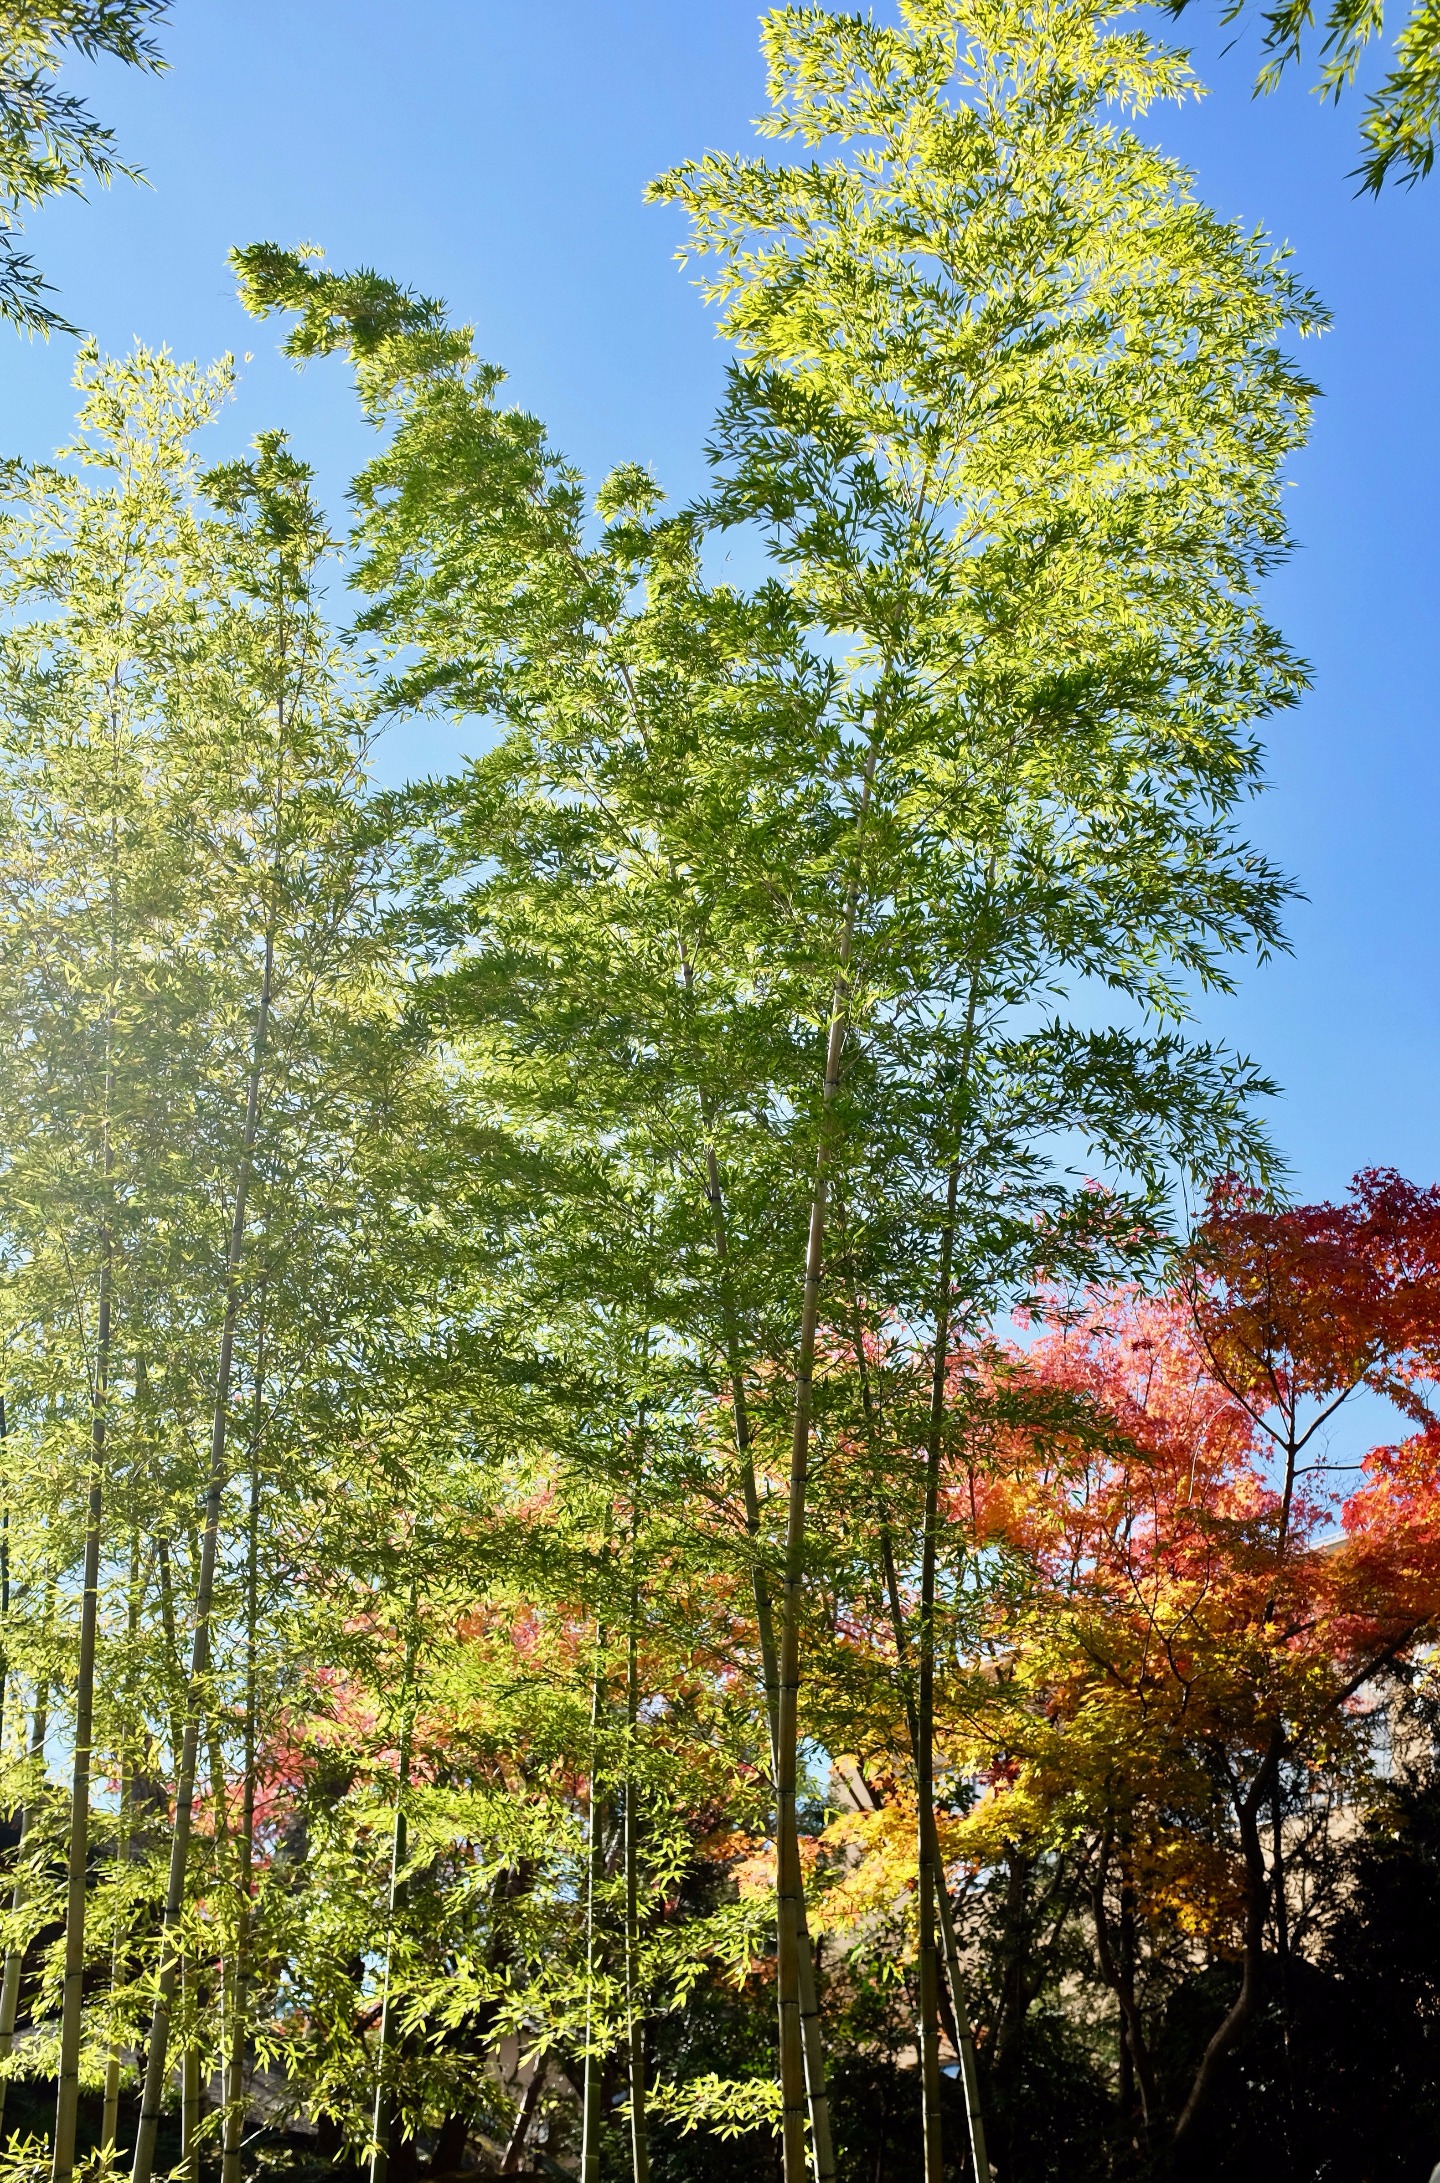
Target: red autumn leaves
{"x": 1199, "y": 1613}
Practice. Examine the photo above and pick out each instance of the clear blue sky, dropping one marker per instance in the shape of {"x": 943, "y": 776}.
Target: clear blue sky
{"x": 494, "y": 152}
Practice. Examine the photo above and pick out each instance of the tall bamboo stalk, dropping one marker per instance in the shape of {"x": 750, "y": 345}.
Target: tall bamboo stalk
{"x": 155, "y": 2059}
{"x": 960, "y": 2022}
{"x": 189, "y": 2076}
{"x": 382, "y": 2123}
{"x": 932, "y": 1890}
{"x": 816, "y": 2091}
{"x": 639, "y": 2127}
{"x": 174, "y": 1683}
{"x": 790, "y": 1882}
{"x": 931, "y": 1864}
{"x": 110, "y": 2111}
{"x": 245, "y": 1848}
{"x": 926, "y": 1860}
{"x": 594, "y": 1875}
{"x": 15, "y": 1957}
{"x": 67, "y": 2092}
{"x": 174, "y": 1705}
{"x": 67, "y": 2089}
{"x": 110, "y": 2115}
{"x": 964, "y": 2036}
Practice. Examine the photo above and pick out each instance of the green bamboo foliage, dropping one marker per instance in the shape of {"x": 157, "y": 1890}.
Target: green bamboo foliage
{"x": 52, "y": 145}
{"x": 951, "y": 320}
{"x": 827, "y": 848}
{"x": 202, "y": 1044}
{"x": 461, "y": 1249}
{"x": 97, "y": 907}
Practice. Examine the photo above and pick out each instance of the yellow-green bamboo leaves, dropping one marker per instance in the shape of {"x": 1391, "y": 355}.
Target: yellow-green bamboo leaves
{"x": 51, "y": 143}
{"x": 204, "y": 1071}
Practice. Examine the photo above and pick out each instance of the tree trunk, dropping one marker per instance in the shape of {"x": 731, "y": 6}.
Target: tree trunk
{"x": 790, "y": 1882}
{"x": 929, "y": 2013}
{"x": 155, "y": 2059}
{"x": 594, "y": 1874}
{"x": 960, "y": 2022}
{"x": 110, "y": 2117}
{"x": 925, "y": 1701}
{"x": 524, "y": 2116}
{"x": 1119, "y": 1975}
{"x": 383, "y": 2119}
{"x": 190, "y": 2084}
{"x": 1247, "y": 1809}
{"x": 639, "y": 2127}
{"x": 245, "y": 1849}
{"x": 67, "y": 2096}
{"x": 962, "y": 2032}
{"x": 450, "y": 2142}
{"x": 173, "y": 1680}
{"x": 816, "y": 2092}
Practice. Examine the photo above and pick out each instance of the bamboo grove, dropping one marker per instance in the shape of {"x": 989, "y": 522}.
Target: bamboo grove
{"x": 623, "y": 1486}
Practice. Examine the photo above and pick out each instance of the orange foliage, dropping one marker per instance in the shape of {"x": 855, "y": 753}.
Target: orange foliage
{"x": 1196, "y": 1609}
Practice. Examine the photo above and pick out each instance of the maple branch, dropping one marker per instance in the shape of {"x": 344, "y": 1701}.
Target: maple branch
{"x": 1247, "y": 1809}
{"x": 1293, "y": 1445}
{"x": 1362, "y": 1676}
{"x": 1121, "y": 1980}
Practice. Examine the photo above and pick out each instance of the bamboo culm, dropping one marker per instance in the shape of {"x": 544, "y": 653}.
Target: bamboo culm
{"x": 790, "y": 1885}
{"x": 816, "y": 2090}
{"x": 245, "y": 1850}
{"x": 639, "y": 2127}
{"x": 594, "y": 1873}
{"x": 67, "y": 2093}
{"x": 110, "y": 2114}
{"x": 934, "y": 1890}
{"x": 382, "y": 2125}
{"x": 524, "y": 2116}
{"x": 960, "y": 2030}
{"x": 926, "y": 1860}
{"x": 189, "y": 2078}
{"x": 932, "y": 1887}
{"x": 959, "y": 2025}
{"x": 156, "y": 2054}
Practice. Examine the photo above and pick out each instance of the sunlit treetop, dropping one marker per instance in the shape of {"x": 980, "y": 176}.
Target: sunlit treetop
{"x": 1399, "y": 125}
{"x": 50, "y": 142}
